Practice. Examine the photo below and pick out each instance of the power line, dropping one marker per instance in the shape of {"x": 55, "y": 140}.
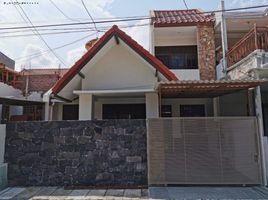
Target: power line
{"x": 66, "y": 16}
{"x": 53, "y": 33}
{"x": 184, "y": 1}
{"x": 73, "y": 30}
{"x": 41, "y": 38}
{"x": 90, "y": 16}
{"x": 136, "y": 18}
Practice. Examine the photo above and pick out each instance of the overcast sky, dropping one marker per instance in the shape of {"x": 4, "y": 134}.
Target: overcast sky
{"x": 18, "y": 48}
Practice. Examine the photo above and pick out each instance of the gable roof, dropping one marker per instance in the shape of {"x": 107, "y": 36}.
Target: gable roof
{"x": 192, "y": 17}
{"x": 114, "y": 31}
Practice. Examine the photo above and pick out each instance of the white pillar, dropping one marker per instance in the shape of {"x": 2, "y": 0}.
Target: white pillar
{"x": 258, "y": 106}
{"x": 216, "y": 106}
{"x": 152, "y": 105}
{"x": 224, "y": 37}
{"x": 47, "y": 111}
{"x": 151, "y": 35}
{"x": 85, "y": 106}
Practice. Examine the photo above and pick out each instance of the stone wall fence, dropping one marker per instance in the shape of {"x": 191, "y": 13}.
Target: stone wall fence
{"x": 77, "y": 153}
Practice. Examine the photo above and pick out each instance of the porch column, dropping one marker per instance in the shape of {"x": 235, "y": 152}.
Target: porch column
{"x": 263, "y": 140}
{"x": 216, "y": 106}
{"x": 152, "y": 105}
{"x": 46, "y": 111}
{"x": 85, "y": 106}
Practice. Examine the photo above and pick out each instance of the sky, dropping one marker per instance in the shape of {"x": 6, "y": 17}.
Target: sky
{"x": 31, "y": 52}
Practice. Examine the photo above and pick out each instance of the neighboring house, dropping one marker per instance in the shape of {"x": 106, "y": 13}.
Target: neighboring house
{"x": 21, "y": 92}
{"x": 242, "y": 53}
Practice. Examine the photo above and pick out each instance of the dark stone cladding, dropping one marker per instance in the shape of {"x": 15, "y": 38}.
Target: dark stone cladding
{"x": 77, "y": 153}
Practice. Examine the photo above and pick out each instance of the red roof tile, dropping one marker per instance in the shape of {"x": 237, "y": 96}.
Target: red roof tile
{"x": 114, "y": 31}
{"x": 192, "y": 17}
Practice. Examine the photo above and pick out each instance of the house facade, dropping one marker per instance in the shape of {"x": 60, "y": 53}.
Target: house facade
{"x": 188, "y": 110}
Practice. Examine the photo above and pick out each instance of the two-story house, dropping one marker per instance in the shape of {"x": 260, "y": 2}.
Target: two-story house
{"x": 198, "y": 131}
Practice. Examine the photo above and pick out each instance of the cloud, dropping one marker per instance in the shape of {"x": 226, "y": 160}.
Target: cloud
{"x": 75, "y": 54}
{"x": 248, "y": 3}
{"x": 140, "y": 33}
{"x": 43, "y": 61}
{"x": 23, "y": 46}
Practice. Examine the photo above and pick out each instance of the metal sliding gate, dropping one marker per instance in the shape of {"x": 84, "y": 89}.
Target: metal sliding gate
{"x": 207, "y": 150}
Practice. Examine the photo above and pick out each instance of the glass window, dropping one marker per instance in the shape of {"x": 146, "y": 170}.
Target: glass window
{"x": 178, "y": 57}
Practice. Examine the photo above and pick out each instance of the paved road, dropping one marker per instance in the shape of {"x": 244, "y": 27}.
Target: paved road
{"x": 208, "y": 193}
{"x": 58, "y": 193}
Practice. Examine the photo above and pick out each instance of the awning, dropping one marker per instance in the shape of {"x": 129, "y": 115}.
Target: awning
{"x": 204, "y": 89}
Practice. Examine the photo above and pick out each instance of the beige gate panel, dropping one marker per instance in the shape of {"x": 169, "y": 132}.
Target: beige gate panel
{"x": 221, "y": 150}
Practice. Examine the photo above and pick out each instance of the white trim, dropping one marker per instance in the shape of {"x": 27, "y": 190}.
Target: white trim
{"x": 112, "y": 91}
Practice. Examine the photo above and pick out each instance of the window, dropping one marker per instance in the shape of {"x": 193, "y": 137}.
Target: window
{"x": 178, "y": 57}
{"x": 123, "y": 111}
{"x": 166, "y": 111}
{"x": 70, "y": 112}
{"x": 192, "y": 110}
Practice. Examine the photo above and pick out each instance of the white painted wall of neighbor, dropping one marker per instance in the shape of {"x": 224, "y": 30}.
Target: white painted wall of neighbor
{"x": 119, "y": 68}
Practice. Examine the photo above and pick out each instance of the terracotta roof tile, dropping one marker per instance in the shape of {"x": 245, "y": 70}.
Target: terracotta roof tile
{"x": 181, "y": 18}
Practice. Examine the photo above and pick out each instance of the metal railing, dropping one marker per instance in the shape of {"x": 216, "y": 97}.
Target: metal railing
{"x": 256, "y": 38}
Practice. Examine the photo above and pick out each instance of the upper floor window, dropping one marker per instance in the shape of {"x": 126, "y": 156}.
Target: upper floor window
{"x": 178, "y": 57}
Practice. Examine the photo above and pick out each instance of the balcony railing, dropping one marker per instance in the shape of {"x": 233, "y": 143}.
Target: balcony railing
{"x": 257, "y": 38}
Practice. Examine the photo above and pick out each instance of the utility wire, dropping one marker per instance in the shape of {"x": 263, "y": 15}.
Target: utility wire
{"x": 129, "y": 19}
{"x": 184, "y": 1}
{"x": 41, "y": 38}
{"x": 72, "y": 30}
{"x": 66, "y": 16}
{"x": 53, "y": 33}
{"x": 90, "y": 16}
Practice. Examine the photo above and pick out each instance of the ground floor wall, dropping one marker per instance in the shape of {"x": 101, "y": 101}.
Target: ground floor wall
{"x": 77, "y": 153}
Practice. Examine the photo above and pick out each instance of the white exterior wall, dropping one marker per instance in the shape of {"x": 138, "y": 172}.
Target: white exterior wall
{"x": 175, "y": 105}
{"x": 152, "y": 105}
{"x": 187, "y": 74}
{"x": 119, "y": 69}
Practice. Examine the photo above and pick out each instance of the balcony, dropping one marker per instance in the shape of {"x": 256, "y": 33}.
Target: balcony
{"x": 256, "y": 38}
